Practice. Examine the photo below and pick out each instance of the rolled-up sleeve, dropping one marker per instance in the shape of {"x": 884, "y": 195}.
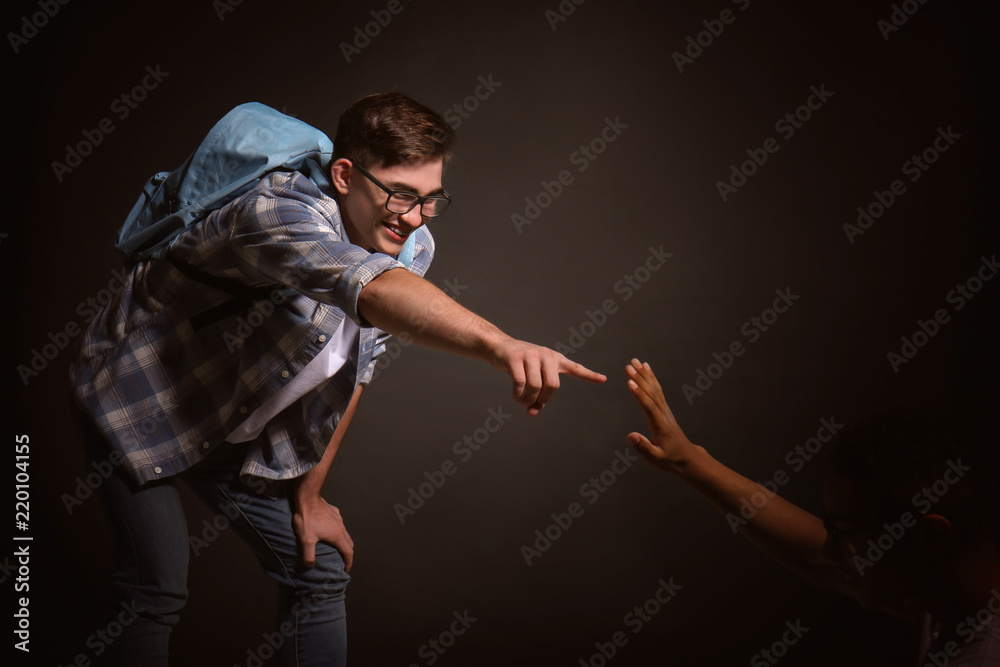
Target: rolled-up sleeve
{"x": 293, "y": 236}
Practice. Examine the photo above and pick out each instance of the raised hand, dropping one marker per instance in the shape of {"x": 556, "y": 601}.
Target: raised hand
{"x": 667, "y": 446}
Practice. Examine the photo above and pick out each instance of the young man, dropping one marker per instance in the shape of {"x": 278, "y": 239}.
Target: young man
{"x": 908, "y": 527}
{"x": 250, "y": 410}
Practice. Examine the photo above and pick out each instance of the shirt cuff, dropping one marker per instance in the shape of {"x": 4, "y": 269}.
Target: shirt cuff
{"x": 355, "y": 278}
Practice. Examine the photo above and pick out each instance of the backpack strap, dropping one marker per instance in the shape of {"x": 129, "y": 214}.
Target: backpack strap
{"x": 243, "y": 296}
{"x": 409, "y": 248}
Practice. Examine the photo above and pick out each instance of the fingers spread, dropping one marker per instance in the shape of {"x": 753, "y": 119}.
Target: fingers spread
{"x": 645, "y": 379}
{"x": 641, "y": 394}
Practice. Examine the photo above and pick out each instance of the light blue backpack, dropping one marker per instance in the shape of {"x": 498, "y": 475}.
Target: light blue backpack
{"x": 248, "y": 143}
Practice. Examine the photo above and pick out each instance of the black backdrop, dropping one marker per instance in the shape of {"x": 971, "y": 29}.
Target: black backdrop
{"x": 529, "y": 86}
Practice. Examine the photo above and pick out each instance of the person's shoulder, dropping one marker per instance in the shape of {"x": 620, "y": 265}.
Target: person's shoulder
{"x": 289, "y": 183}
{"x": 282, "y": 196}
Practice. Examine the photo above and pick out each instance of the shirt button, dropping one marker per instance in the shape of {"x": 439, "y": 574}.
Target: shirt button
{"x": 322, "y": 339}
{"x": 157, "y": 470}
{"x": 284, "y": 374}
{"x": 205, "y": 445}
{"x": 243, "y": 411}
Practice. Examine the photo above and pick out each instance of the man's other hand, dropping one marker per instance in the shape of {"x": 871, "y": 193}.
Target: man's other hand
{"x": 316, "y": 520}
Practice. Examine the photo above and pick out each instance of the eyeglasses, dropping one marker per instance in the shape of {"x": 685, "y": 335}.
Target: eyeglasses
{"x": 403, "y": 201}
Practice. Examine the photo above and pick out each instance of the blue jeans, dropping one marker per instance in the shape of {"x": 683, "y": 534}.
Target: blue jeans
{"x": 149, "y": 584}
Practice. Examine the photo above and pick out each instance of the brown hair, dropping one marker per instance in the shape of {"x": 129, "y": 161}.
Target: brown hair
{"x": 386, "y": 129}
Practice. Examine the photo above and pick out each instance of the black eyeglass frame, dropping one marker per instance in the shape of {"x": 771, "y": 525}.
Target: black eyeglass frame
{"x": 418, "y": 199}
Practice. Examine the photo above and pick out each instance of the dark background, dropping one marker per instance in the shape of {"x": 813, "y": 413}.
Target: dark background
{"x": 654, "y": 185}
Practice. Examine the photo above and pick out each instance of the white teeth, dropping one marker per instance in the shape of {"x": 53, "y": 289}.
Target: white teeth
{"x": 397, "y": 231}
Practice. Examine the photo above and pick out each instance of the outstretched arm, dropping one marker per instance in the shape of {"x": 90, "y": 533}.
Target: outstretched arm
{"x": 792, "y": 536}
{"x": 398, "y": 300}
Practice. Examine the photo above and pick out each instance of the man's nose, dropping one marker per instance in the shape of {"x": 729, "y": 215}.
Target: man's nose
{"x": 412, "y": 218}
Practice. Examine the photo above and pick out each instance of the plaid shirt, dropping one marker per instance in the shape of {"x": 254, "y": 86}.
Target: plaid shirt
{"x": 164, "y": 394}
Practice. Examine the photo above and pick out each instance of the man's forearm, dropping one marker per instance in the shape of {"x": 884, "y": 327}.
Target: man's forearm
{"x": 398, "y": 301}
{"x": 311, "y": 483}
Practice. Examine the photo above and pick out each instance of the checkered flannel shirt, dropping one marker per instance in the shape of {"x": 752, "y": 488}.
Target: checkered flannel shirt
{"x": 165, "y": 394}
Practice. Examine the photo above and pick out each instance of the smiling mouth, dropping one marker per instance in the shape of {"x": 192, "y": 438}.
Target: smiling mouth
{"x": 397, "y": 231}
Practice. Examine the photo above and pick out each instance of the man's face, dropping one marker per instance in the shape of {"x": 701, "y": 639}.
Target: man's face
{"x": 362, "y": 203}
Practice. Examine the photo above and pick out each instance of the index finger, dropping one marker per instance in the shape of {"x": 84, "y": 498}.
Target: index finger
{"x": 580, "y": 371}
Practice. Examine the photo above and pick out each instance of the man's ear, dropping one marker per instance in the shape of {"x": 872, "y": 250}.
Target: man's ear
{"x": 341, "y": 170}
